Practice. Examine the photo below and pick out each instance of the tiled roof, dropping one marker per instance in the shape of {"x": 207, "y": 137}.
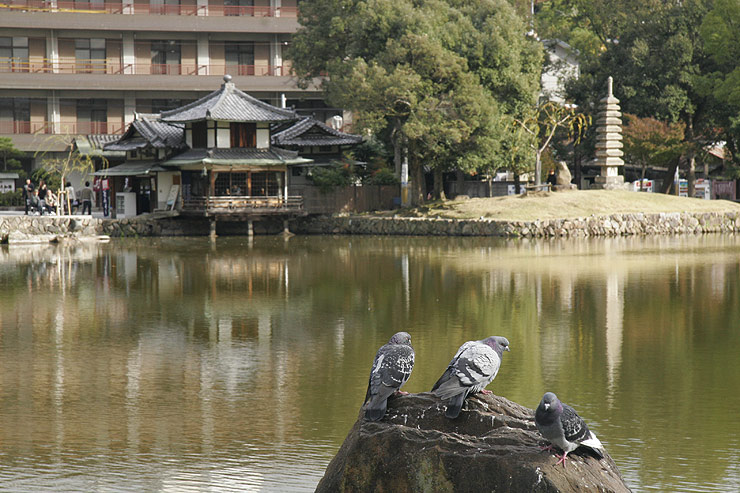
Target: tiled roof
{"x": 149, "y": 130}
{"x": 229, "y": 104}
{"x": 310, "y": 132}
{"x": 233, "y": 156}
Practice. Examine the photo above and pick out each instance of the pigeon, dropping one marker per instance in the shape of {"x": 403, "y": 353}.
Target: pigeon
{"x": 563, "y": 427}
{"x": 391, "y": 369}
{"x": 473, "y": 367}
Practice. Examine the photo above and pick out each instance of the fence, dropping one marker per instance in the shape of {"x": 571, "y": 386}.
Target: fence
{"x": 348, "y": 199}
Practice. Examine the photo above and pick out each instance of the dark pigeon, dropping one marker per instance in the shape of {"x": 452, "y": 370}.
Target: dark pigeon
{"x": 474, "y": 366}
{"x": 564, "y": 428}
{"x": 391, "y": 369}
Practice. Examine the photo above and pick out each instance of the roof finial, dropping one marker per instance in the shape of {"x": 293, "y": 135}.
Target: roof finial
{"x": 227, "y": 78}
{"x": 610, "y": 83}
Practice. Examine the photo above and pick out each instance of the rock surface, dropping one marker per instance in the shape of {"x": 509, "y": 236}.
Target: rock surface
{"x": 492, "y": 446}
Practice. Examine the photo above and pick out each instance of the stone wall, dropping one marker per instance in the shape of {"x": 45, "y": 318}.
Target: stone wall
{"x": 611, "y": 225}
{"x": 38, "y": 229}
{"x": 50, "y": 228}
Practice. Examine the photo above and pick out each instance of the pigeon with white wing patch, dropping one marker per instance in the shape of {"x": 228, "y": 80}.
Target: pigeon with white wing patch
{"x": 473, "y": 367}
{"x": 391, "y": 369}
{"x": 564, "y": 428}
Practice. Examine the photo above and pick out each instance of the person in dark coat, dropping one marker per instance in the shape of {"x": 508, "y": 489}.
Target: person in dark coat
{"x": 28, "y": 193}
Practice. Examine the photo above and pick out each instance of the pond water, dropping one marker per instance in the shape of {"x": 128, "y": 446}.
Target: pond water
{"x": 185, "y": 365}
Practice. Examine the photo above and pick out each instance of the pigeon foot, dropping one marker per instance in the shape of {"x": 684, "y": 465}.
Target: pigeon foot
{"x": 401, "y": 392}
{"x": 546, "y": 447}
{"x": 562, "y": 459}
{"x": 486, "y": 392}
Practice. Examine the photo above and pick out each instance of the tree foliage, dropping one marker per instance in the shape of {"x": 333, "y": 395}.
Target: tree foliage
{"x": 720, "y": 31}
{"x": 651, "y": 142}
{"x": 9, "y": 156}
{"x": 439, "y": 78}
{"x": 542, "y": 124}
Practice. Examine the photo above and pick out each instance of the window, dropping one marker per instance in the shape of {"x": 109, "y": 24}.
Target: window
{"x": 160, "y": 105}
{"x": 266, "y": 183}
{"x": 243, "y": 134}
{"x": 92, "y": 116}
{"x": 163, "y": 7}
{"x": 165, "y": 57}
{"x": 15, "y": 115}
{"x": 238, "y": 7}
{"x": 200, "y": 135}
{"x": 239, "y": 58}
{"x": 13, "y": 54}
{"x": 231, "y": 184}
{"x": 90, "y": 55}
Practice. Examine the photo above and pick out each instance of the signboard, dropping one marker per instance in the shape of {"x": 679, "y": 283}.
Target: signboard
{"x": 172, "y": 197}
{"x": 647, "y": 185}
{"x": 703, "y": 189}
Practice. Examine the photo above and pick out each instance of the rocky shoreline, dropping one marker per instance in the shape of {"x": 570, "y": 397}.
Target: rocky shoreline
{"x": 611, "y": 225}
{"x": 40, "y": 229}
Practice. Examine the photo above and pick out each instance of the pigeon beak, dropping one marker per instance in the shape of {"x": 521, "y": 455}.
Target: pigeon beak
{"x": 547, "y": 406}
{"x": 506, "y": 348}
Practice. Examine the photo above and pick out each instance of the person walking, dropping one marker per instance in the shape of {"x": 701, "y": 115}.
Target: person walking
{"x": 28, "y": 193}
{"x": 86, "y": 195}
{"x": 42, "y": 196}
{"x": 71, "y": 198}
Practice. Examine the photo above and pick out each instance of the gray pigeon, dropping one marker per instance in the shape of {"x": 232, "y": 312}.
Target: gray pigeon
{"x": 563, "y": 427}
{"x": 474, "y": 366}
{"x": 391, "y": 368}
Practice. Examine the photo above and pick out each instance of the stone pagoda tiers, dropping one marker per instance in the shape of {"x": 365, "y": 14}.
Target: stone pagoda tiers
{"x": 609, "y": 143}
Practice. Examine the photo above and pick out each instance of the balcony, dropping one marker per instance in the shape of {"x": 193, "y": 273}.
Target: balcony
{"x": 128, "y": 8}
{"x": 46, "y": 66}
{"x": 43, "y": 127}
{"x": 43, "y": 74}
{"x": 35, "y": 14}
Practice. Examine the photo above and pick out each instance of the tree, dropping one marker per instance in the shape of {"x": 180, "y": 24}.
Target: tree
{"x": 654, "y": 50}
{"x": 721, "y": 36}
{"x": 542, "y": 124}
{"x": 436, "y": 77}
{"x": 59, "y": 166}
{"x": 650, "y": 142}
{"x": 9, "y": 155}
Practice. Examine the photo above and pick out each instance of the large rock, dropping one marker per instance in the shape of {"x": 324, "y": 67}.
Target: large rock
{"x": 492, "y": 446}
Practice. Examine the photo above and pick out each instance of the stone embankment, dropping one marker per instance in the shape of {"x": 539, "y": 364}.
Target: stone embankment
{"x": 611, "y": 225}
{"x": 36, "y": 229}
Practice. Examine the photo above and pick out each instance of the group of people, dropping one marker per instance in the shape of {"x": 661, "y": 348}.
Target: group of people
{"x": 42, "y": 200}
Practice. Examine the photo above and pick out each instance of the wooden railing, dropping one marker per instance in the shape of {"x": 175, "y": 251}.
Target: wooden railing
{"x": 147, "y": 9}
{"x": 243, "y": 205}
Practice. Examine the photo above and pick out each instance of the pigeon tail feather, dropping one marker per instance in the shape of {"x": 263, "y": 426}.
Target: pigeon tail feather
{"x": 594, "y": 444}
{"x": 376, "y": 413}
{"x": 454, "y": 406}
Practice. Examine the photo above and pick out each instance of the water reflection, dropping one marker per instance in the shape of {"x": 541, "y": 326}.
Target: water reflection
{"x": 182, "y": 364}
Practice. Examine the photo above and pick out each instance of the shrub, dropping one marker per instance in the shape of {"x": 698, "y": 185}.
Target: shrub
{"x": 382, "y": 176}
{"x": 11, "y": 199}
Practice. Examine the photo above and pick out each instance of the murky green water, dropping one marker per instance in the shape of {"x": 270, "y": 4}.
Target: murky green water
{"x": 178, "y": 365}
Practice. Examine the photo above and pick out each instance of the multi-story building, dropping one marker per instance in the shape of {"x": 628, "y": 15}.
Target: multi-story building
{"x": 72, "y": 67}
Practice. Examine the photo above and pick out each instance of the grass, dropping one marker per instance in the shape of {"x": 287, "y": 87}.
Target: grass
{"x": 570, "y": 204}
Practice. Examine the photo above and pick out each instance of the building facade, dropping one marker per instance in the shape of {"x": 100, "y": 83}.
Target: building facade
{"x": 86, "y": 67}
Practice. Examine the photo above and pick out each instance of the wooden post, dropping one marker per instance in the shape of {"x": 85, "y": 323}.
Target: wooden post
{"x": 212, "y": 223}
{"x": 250, "y": 228}
{"x": 286, "y": 230}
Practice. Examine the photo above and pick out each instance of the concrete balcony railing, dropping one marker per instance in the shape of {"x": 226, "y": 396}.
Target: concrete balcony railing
{"x": 130, "y": 8}
{"x": 44, "y": 127}
{"x": 47, "y": 66}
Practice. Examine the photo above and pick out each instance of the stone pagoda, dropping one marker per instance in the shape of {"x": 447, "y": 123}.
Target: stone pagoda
{"x": 609, "y": 144}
